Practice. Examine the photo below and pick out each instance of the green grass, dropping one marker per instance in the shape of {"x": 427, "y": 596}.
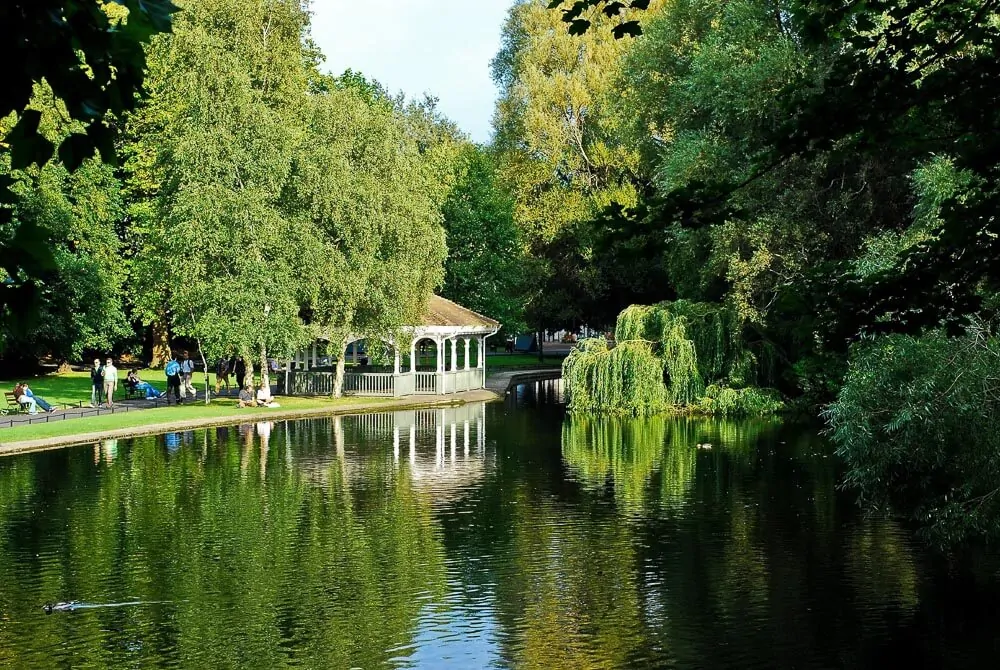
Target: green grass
{"x": 73, "y": 387}
{"x": 224, "y": 408}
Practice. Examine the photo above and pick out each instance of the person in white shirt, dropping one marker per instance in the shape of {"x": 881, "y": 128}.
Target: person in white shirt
{"x": 110, "y": 382}
{"x": 264, "y": 397}
{"x": 187, "y": 371}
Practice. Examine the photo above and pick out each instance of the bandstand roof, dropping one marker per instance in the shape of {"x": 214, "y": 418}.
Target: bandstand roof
{"x": 441, "y": 312}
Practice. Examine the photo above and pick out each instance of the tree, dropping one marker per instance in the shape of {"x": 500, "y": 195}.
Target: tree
{"x": 91, "y": 56}
{"x": 234, "y": 265}
{"x": 362, "y": 184}
{"x": 485, "y": 270}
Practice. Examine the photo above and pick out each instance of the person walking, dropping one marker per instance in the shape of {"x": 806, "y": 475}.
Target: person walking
{"x": 241, "y": 372}
{"x": 187, "y": 372}
{"x": 96, "y": 383}
{"x": 110, "y": 381}
{"x": 173, "y": 372}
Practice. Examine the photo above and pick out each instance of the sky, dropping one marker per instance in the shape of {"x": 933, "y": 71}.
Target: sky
{"x": 441, "y": 47}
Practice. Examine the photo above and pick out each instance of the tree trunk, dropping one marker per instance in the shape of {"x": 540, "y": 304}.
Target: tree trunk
{"x": 208, "y": 399}
{"x": 248, "y": 361}
{"x": 338, "y": 379}
{"x": 161, "y": 342}
{"x": 265, "y": 370}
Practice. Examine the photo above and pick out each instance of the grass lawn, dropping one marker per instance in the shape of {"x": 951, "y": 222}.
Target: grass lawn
{"x": 72, "y": 387}
{"x": 219, "y": 409}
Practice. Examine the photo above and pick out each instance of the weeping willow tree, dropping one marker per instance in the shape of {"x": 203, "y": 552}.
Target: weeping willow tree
{"x": 680, "y": 356}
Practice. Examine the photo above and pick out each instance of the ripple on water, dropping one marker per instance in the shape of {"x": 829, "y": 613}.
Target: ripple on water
{"x": 550, "y": 543}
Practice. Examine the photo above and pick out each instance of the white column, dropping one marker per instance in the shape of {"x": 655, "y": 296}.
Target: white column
{"x": 482, "y": 351}
{"x": 413, "y": 356}
{"x": 454, "y": 354}
{"x": 315, "y": 358}
{"x": 439, "y": 344}
{"x": 468, "y": 348}
{"x": 396, "y": 362}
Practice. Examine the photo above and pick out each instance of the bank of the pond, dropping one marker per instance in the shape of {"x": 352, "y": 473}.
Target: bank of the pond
{"x": 168, "y": 419}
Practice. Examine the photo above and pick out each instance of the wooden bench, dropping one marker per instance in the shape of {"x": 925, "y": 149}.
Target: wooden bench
{"x": 13, "y": 406}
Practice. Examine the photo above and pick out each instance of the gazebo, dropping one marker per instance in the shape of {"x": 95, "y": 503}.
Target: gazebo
{"x": 451, "y": 329}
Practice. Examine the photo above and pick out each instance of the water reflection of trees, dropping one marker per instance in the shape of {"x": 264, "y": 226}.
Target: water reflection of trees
{"x": 726, "y": 543}
{"x": 259, "y": 564}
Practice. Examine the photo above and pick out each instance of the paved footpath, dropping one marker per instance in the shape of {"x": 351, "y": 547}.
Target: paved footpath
{"x": 502, "y": 382}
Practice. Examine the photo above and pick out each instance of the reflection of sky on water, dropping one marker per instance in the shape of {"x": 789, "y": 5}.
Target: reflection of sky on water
{"x": 458, "y": 637}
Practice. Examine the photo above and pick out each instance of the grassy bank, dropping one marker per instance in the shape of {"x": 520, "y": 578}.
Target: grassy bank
{"x": 74, "y": 387}
{"x": 223, "y": 409}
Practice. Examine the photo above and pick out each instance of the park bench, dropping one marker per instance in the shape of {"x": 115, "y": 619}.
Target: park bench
{"x": 132, "y": 393}
{"x": 13, "y": 406}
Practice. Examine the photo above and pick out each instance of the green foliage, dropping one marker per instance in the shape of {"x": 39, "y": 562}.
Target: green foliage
{"x": 751, "y": 401}
{"x": 486, "y": 269}
{"x": 915, "y": 423}
{"x": 627, "y": 379}
{"x": 90, "y": 55}
{"x": 664, "y": 357}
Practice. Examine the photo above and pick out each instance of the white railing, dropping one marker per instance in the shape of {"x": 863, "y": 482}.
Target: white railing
{"x": 367, "y": 383}
{"x": 386, "y": 384}
{"x": 426, "y": 383}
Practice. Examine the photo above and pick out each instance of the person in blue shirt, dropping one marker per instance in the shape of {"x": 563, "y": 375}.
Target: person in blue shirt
{"x": 173, "y": 371}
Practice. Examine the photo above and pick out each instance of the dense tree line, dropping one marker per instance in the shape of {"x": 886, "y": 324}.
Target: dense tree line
{"x": 823, "y": 175}
{"x": 251, "y": 202}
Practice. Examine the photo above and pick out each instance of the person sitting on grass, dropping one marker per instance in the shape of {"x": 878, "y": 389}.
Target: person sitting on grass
{"x": 246, "y": 397}
{"x": 264, "y": 397}
{"x": 145, "y": 388}
{"x": 24, "y": 396}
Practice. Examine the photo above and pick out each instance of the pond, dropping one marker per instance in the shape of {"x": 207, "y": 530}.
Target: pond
{"x": 501, "y": 535}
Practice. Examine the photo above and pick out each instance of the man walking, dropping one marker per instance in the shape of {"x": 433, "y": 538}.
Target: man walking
{"x": 110, "y": 381}
{"x": 173, "y": 371}
{"x": 187, "y": 371}
{"x": 96, "y": 383}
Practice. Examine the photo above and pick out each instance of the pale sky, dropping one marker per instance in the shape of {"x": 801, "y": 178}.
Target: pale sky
{"x": 441, "y": 47}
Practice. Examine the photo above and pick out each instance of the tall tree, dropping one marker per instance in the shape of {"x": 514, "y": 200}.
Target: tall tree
{"x": 486, "y": 269}
{"x": 90, "y": 54}
{"x": 362, "y": 184}
{"x": 233, "y": 265}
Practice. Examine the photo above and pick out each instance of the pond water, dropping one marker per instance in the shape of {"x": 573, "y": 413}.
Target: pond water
{"x": 505, "y": 535}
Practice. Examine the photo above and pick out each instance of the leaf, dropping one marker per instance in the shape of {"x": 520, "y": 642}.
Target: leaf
{"x": 613, "y": 8}
{"x": 630, "y": 28}
{"x": 555, "y": 3}
{"x": 579, "y": 27}
{"x": 574, "y": 12}
{"x": 74, "y": 149}
{"x": 27, "y": 145}
{"x": 103, "y": 139}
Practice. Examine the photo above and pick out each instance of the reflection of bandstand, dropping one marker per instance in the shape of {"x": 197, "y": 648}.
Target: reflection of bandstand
{"x": 455, "y": 368}
{"x": 457, "y": 435}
